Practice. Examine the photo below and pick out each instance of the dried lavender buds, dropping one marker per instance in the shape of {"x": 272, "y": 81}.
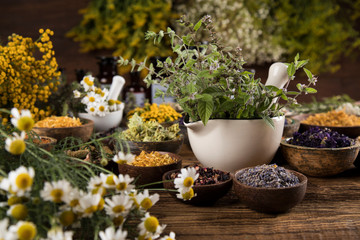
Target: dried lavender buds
{"x": 268, "y": 176}
{"x": 207, "y": 176}
{"x": 321, "y": 138}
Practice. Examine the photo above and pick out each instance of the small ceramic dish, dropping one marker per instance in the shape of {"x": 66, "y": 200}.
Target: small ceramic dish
{"x": 83, "y": 132}
{"x": 146, "y": 175}
{"x": 291, "y": 126}
{"x": 319, "y": 162}
{"x": 270, "y": 200}
{"x": 205, "y": 194}
{"x": 172, "y": 146}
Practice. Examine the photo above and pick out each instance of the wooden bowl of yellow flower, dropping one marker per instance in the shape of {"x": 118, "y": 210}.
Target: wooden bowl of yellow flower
{"x": 62, "y": 127}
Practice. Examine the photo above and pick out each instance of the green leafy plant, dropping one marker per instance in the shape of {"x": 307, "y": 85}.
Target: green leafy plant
{"x": 209, "y": 81}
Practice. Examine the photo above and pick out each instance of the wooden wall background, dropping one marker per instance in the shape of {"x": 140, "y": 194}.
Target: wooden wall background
{"x": 26, "y": 17}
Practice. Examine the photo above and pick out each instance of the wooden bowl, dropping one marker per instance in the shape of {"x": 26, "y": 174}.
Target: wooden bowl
{"x": 292, "y": 126}
{"x": 83, "y": 132}
{"x": 205, "y": 194}
{"x": 45, "y": 142}
{"x": 319, "y": 162}
{"x": 172, "y": 146}
{"x": 270, "y": 200}
{"x": 146, "y": 175}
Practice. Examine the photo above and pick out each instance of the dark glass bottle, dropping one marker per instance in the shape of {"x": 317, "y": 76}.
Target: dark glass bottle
{"x": 107, "y": 70}
{"x": 135, "y": 93}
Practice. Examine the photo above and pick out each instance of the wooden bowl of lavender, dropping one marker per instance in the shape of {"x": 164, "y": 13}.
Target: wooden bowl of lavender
{"x": 320, "y": 152}
{"x": 211, "y": 185}
{"x": 269, "y": 188}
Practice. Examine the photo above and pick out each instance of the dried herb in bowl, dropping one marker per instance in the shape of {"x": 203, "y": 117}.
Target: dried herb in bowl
{"x": 268, "y": 176}
{"x": 321, "y": 138}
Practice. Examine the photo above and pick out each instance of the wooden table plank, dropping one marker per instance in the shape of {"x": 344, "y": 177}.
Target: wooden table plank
{"x": 330, "y": 210}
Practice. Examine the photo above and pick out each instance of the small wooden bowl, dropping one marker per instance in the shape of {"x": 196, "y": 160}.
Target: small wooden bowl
{"x": 45, "y": 142}
{"x": 172, "y": 146}
{"x": 205, "y": 194}
{"x": 319, "y": 162}
{"x": 83, "y": 132}
{"x": 146, "y": 175}
{"x": 292, "y": 126}
{"x": 270, "y": 200}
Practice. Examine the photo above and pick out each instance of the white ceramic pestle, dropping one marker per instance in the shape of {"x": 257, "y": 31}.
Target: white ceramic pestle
{"x": 116, "y": 87}
{"x": 278, "y": 76}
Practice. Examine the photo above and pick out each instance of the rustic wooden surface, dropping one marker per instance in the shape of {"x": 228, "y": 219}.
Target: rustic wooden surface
{"x": 330, "y": 210}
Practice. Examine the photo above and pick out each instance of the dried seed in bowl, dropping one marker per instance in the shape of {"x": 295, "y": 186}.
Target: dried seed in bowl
{"x": 272, "y": 176}
{"x": 152, "y": 159}
{"x": 58, "y": 122}
{"x": 334, "y": 119}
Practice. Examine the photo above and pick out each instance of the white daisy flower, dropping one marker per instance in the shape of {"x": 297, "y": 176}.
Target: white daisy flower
{"x": 91, "y": 97}
{"x": 16, "y": 145}
{"x": 150, "y": 226}
{"x": 67, "y": 215}
{"x": 91, "y": 109}
{"x": 101, "y": 109}
{"x": 96, "y": 186}
{"x": 74, "y": 197}
{"x": 118, "y": 205}
{"x": 110, "y": 234}
{"x": 18, "y": 211}
{"x": 88, "y": 83}
{"x": 169, "y": 237}
{"x": 186, "y": 193}
{"x": 57, "y": 233}
{"x": 145, "y": 200}
{"x": 4, "y": 223}
{"x": 76, "y": 93}
{"x": 21, "y": 180}
{"x": 22, "y": 230}
{"x": 103, "y": 94}
{"x": 108, "y": 180}
{"x": 123, "y": 183}
{"x": 121, "y": 158}
{"x": 119, "y": 105}
{"x": 90, "y": 204}
{"x": 186, "y": 178}
{"x": 112, "y": 104}
{"x": 56, "y": 192}
{"x": 23, "y": 121}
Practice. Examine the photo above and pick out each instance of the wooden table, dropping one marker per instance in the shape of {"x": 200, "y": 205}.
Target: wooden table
{"x": 330, "y": 210}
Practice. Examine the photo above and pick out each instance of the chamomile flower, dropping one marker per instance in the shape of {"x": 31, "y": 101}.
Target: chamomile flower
{"x": 56, "y": 192}
{"x": 110, "y": 234}
{"x": 169, "y": 237}
{"x": 186, "y": 179}
{"x": 119, "y": 105}
{"x": 57, "y": 233}
{"x": 150, "y": 225}
{"x": 186, "y": 194}
{"x": 23, "y": 230}
{"x": 16, "y": 145}
{"x": 145, "y": 200}
{"x": 118, "y": 205}
{"x": 108, "y": 180}
{"x": 4, "y": 228}
{"x": 101, "y": 109}
{"x": 123, "y": 183}
{"x": 91, "y": 98}
{"x": 96, "y": 186}
{"x": 23, "y": 121}
{"x": 88, "y": 83}
{"x": 122, "y": 158}
{"x": 112, "y": 104}
{"x": 76, "y": 93}
{"x": 67, "y": 216}
{"x": 21, "y": 180}
{"x": 103, "y": 94}
{"x": 74, "y": 197}
{"x": 18, "y": 211}
{"x": 90, "y": 204}
{"x": 91, "y": 109}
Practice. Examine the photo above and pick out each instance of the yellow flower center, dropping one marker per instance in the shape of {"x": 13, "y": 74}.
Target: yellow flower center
{"x": 118, "y": 102}
{"x": 74, "y": 202}
{"x": 111, "y": 102}
{"x": 121, "y": 161}
{"x": 25, "y": 123}
{"x": 23, "y": 181}
{"x": 19, "y": 212}
{"x": 91, "y": 209}
{"x": 121, "y": 186}
{"x": 67, "y": 218}
{"x": 27, "y": 231}
{"x": 101, "y": 108}
{"x": 92, "y": 109}
{"x": 118, "y": 209}
{"x": 102, "y": 94}
{"x": 188, "y": 195}
{"x": 57, "y": 195}
{"x": 101, "y": 204}
{"x": 17, "y": 147}
{"x": 188, "y": 182}
{"x": 91, "y": 99}
{"x": 110, "y": 180}
{"x": 146, "y": 203}
{"x": 151, "y": 224}
{"x": 118, "y": 220}
{"x": 88, "y": 81}
{"x": 13, "y": 200}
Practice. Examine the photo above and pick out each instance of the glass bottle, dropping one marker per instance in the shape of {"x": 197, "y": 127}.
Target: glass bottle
{"x": 107, "y": 70}
{"x": 135, "y": 91}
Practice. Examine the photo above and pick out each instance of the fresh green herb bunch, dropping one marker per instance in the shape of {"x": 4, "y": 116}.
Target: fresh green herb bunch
{"x": 208, "y": 80}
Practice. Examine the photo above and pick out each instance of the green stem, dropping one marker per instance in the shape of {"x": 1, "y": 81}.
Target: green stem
{"x": 153, "y": 183}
